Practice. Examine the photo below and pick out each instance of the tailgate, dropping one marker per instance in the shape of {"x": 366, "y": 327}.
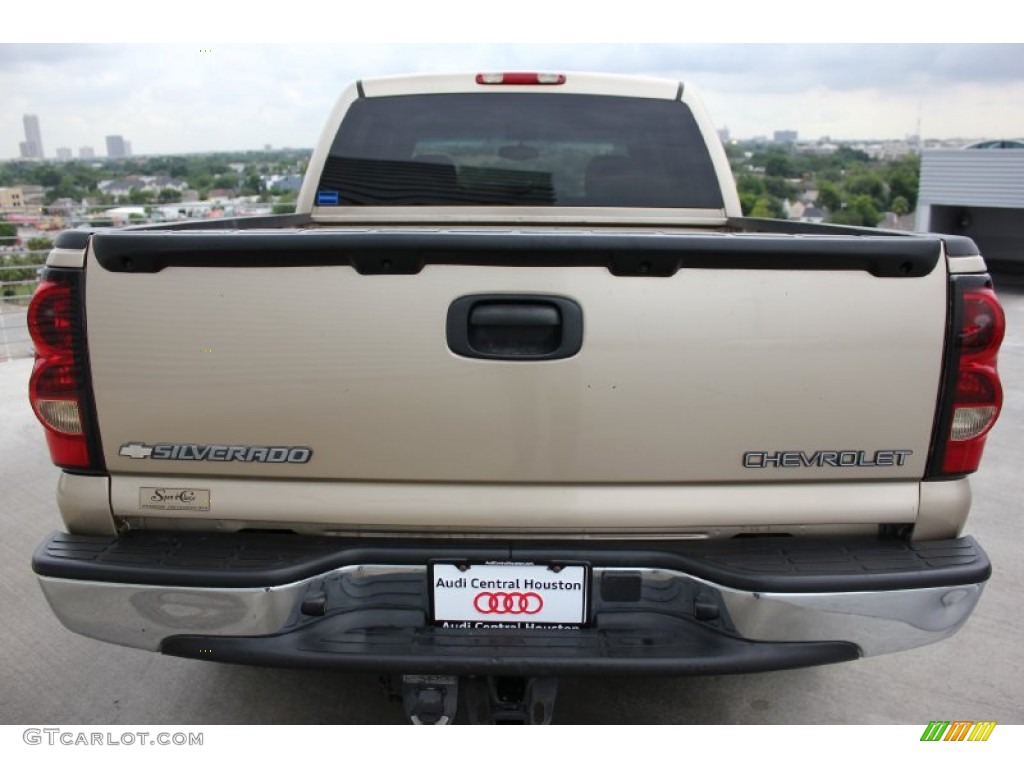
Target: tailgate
{"x": 702, "y": 359}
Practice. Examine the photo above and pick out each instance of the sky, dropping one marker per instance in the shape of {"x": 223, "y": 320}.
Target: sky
{"x": 273, "y": 82}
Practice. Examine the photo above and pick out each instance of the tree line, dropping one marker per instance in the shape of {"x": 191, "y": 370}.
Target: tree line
{"x": 853, "y": 188}
{"x": 79, "y": 179}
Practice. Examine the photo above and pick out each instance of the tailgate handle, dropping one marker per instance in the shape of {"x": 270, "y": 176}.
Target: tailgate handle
{"x": 515, "y": 327}
{"x": 515, "y": 315}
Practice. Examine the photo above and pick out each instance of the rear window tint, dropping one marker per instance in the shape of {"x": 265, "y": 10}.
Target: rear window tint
{"x": 519, "y": 149}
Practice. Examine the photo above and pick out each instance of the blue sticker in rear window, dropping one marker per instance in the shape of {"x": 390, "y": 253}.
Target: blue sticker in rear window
{"x": 327, "y": 197}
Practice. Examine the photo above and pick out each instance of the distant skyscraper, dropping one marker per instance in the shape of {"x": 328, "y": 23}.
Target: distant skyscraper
{"x": 32, "y": 147}
{"x": 127, "y": 149}
{"x": 86, "y": 153}
{"x": 63, "y": 153}
{"x": 116, "y": 147}
{"x": 786, "y": 137}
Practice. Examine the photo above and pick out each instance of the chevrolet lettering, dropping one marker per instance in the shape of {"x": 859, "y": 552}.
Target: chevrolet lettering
{"x": 798, "y": 459}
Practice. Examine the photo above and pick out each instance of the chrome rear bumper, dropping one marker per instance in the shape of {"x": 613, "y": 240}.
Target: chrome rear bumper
{"x": 143, "y": 616}
{"x": 372, "y": 615}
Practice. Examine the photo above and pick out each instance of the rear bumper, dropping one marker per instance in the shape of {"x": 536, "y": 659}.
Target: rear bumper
{"x": 672, "y": 608}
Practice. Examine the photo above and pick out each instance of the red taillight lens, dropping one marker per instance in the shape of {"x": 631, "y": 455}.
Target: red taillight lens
{"x": 56, "y": 388}
{"x": 977, "y": 395}
{"x": 520, "y": 78}
{"x": 54, "y": 378}
{"x": 50, "y": 319}
{"x": 984, "y": 324}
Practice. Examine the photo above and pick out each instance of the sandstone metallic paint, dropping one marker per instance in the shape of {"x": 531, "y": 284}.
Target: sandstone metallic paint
{"x": 677, "y": 378}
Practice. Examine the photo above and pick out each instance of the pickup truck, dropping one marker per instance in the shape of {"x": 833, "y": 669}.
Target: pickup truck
{"x": 517, "y": 392}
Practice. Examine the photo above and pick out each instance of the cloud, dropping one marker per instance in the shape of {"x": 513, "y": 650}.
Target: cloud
{"x": 777, "y": 68}
{"x": 175, "y": 98}
{"x": 15, "y": 57}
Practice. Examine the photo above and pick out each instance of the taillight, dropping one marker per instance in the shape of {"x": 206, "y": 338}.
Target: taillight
{"x": 972, "y": 394}
{"x": 520, "y": 78}
{"x": 983, "y": 325}
{"x": 58, "y": 385}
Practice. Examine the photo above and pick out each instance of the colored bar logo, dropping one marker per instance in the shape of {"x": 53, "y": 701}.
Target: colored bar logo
{"x": 958, "y": 730}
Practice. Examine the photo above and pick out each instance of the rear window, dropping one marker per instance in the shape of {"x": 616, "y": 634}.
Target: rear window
{"x": 519, "y": 149}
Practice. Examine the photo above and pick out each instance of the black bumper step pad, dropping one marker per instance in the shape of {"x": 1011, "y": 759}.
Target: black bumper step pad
{"x": 397, "y": 641}
{"x": 776, "y": 564}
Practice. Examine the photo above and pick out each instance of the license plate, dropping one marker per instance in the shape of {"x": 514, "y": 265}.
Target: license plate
{"x": 515, "y": 595}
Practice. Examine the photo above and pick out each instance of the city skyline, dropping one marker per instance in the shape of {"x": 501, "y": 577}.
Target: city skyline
{"x": 880, "y": 145}
{"x": 32, "y": 147}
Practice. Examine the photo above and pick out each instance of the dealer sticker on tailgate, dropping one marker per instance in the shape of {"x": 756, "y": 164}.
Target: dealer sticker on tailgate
{"x": 519, "y": 595}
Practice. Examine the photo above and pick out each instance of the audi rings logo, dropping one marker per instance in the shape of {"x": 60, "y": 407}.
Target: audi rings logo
{"x": 527, "y": 603}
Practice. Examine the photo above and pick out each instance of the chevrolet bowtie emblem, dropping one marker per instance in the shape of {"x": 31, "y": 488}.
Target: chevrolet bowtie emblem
{"x": 136, "y": 450}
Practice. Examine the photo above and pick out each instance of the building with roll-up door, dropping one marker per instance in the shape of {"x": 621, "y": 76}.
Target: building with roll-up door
{"x": 977, "y": 191}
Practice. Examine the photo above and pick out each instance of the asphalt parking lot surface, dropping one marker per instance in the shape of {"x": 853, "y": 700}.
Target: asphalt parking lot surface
{"x": 49, "y": 675}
